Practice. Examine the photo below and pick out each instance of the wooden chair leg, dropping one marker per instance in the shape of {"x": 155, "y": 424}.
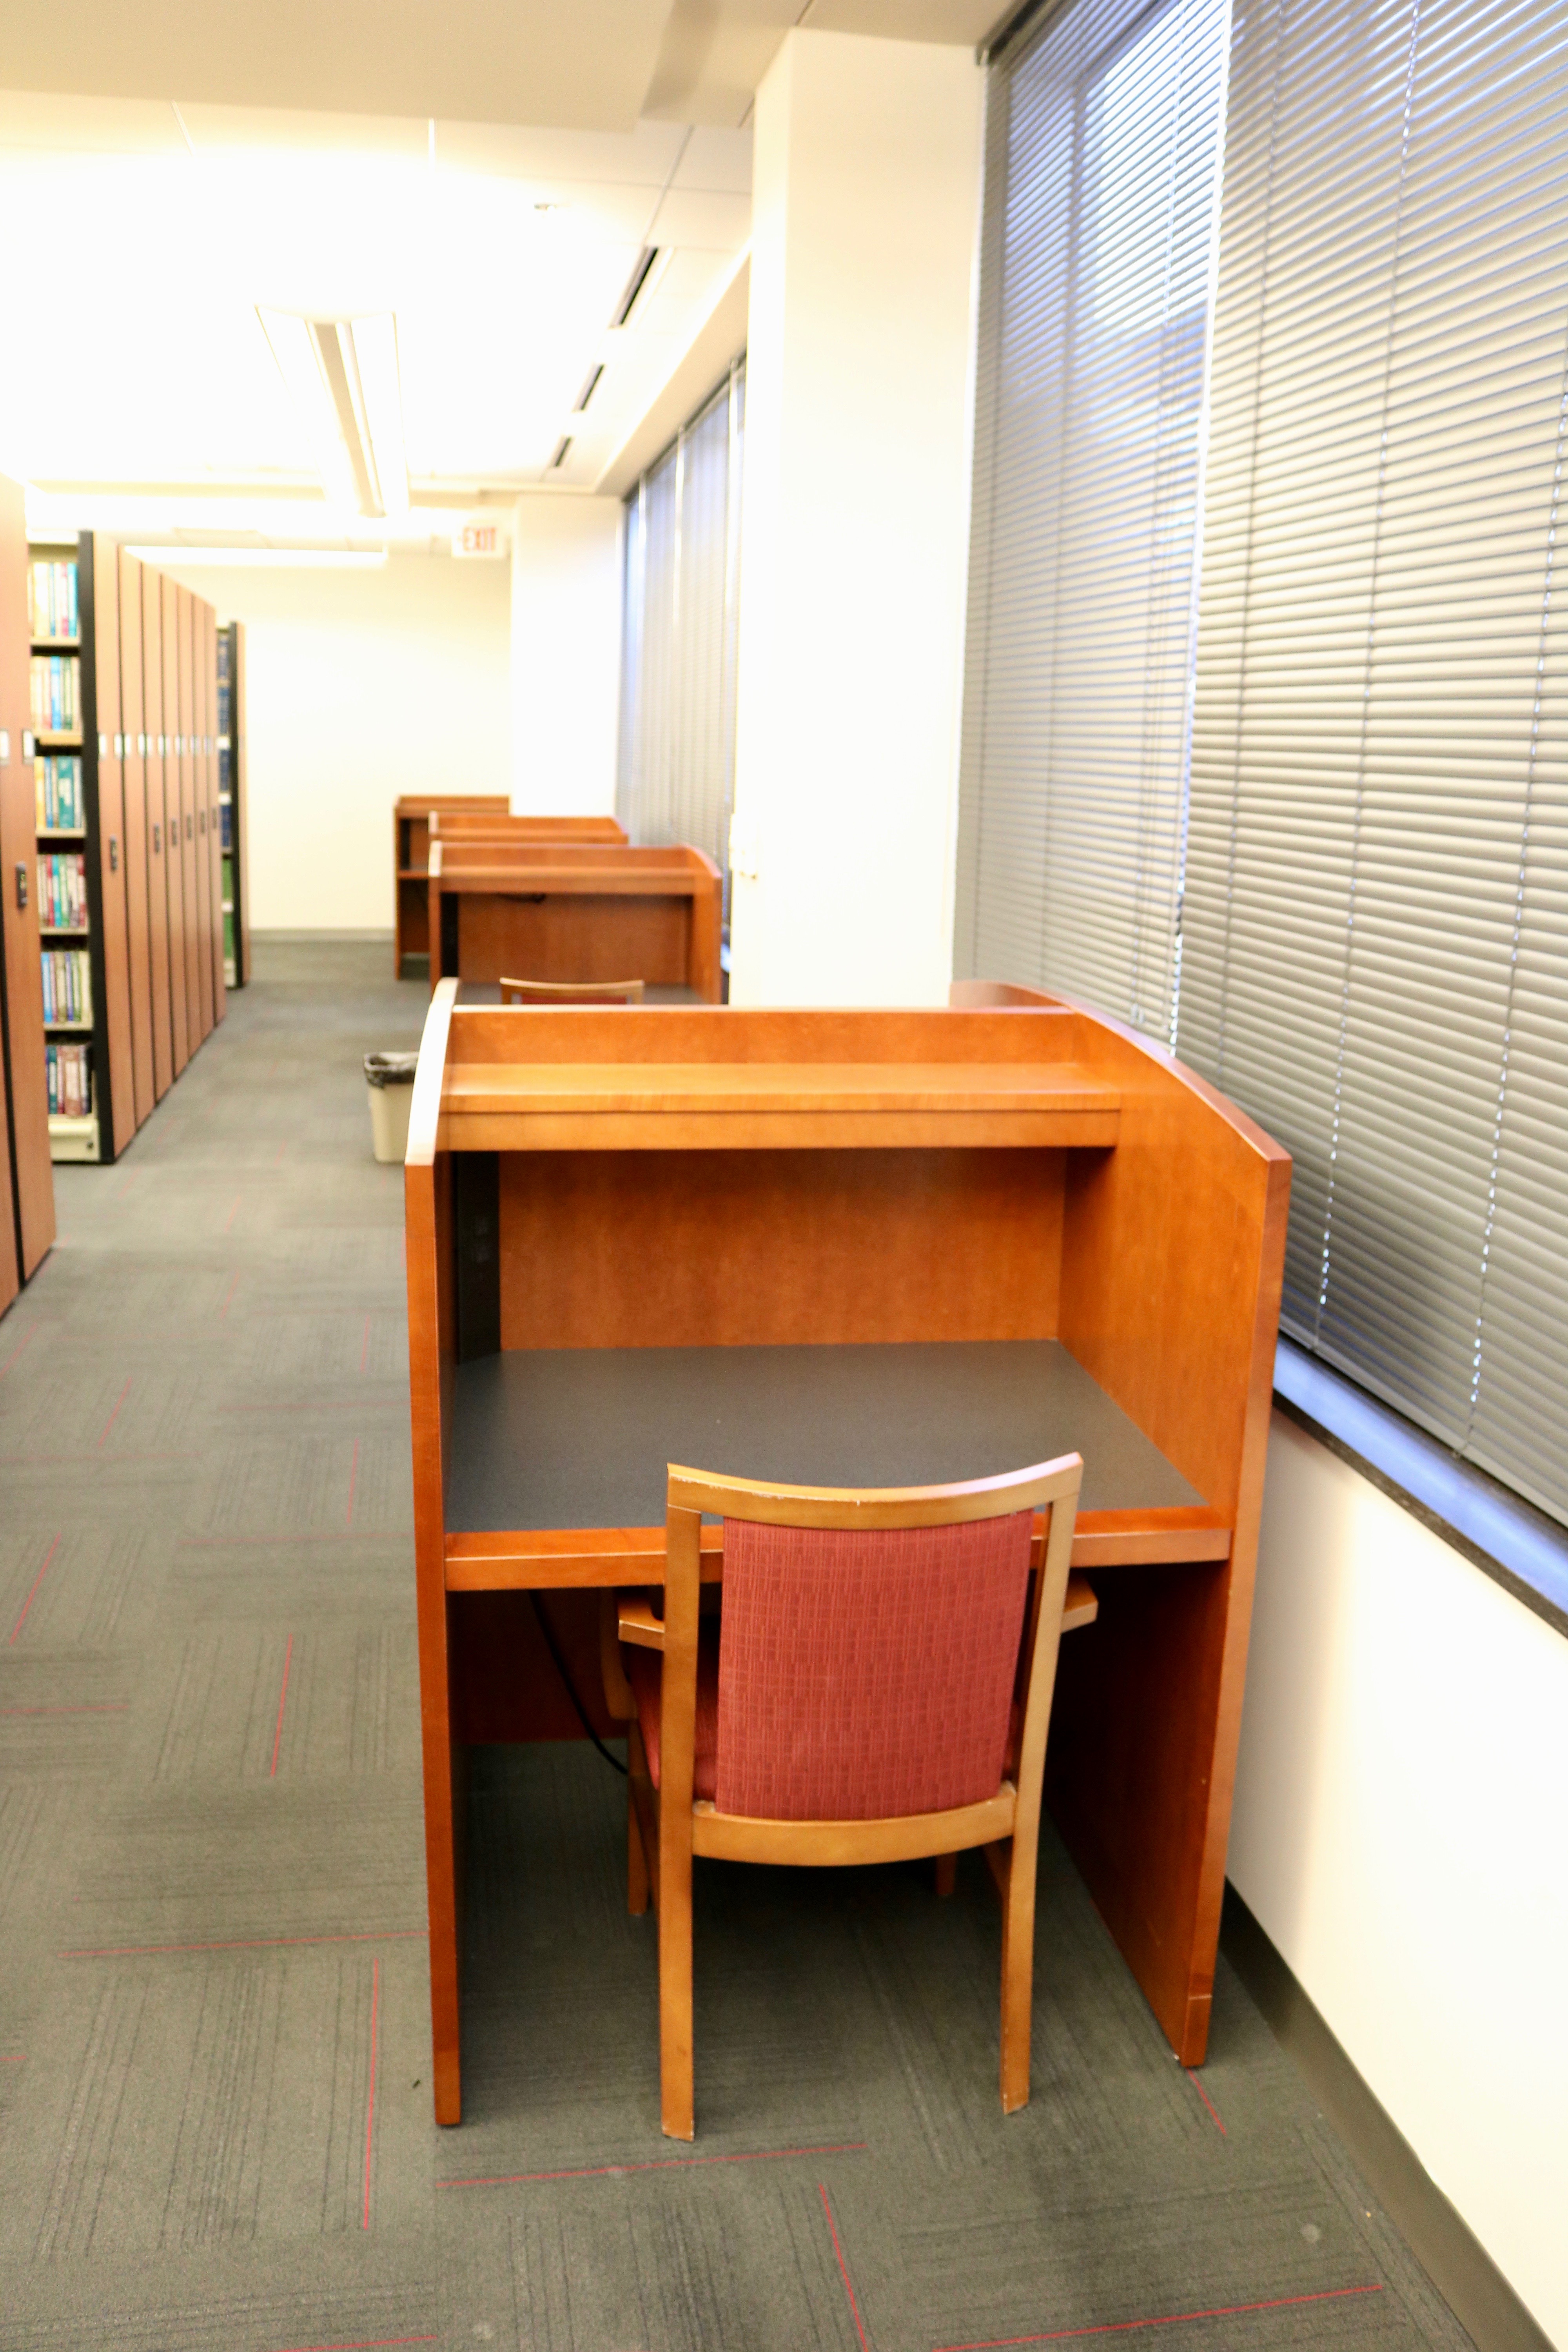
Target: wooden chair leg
{"x": 637, "y": 1887}
{"x": 1017, "y": 1974}
{"x": 946, "y": 1872}
{"x": 675, "y": 1990}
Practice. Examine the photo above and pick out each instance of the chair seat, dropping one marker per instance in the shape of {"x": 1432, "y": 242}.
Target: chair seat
{"x": 645, "y": 1671}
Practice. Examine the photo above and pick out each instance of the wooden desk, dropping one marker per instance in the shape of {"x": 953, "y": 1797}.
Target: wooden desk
{"x": 575, "y": 911}
{"x": 844, "y": 1245}
{"x": 415, "y": 820}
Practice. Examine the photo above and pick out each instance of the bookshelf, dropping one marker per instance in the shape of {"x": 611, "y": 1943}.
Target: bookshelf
{"x": 126, "y": 816}
{"x": 27, "y": 1180}
{"x": 68, "y": 841}
{"x": 231, "y": 750}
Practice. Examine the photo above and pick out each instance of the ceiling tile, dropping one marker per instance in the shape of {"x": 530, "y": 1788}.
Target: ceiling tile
{"x": 716, "y": 160}
{"x": 123, "y": 126}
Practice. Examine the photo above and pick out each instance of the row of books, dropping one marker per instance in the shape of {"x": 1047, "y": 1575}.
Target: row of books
{"x": 57, "y": 782}
{"x": 56, "y": 693}
{"x": 67, "y": 987}
{"x": 51, "y": 598}
{"x": 62, "y": 890}
{"x": 70, "y": 1071}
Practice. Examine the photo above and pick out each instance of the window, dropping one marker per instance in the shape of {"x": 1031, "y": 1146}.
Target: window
{"x": 1375, "y": 934}
{"x": 680, "y": 608}
{"x": 1102, "y": 143}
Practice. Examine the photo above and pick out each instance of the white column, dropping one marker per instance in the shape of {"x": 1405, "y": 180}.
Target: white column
{"x": 565, "y": 656}
{"x": 856, "y": 522}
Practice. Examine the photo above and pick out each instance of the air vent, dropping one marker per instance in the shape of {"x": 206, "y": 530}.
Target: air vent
{"x": 587, "y": 395}
{"x": 635, "y": 284}
{"x": 560, "y": 457}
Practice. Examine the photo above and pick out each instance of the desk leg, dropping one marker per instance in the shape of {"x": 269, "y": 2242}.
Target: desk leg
{"x": 444, "y": 1814}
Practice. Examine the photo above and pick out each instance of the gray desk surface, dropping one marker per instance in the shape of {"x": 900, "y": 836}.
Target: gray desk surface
{"x": 579, "y": 1437}
{"x": 488, "y": 992}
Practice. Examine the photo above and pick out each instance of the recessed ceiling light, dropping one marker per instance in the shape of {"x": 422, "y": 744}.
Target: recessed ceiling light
{"x": 343, "y": 376}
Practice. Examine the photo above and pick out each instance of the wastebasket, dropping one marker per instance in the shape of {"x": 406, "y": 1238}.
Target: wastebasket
{"x": 389, "y": 1081}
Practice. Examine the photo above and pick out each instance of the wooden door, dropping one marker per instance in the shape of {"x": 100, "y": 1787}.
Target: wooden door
{"x": 158, "y": 860}
{"x": 180, "y": 1023}
{"x": 208, "y": 672}
{"x": 27, "y": 1087}
{"x": 100, "y": 616}
{"x": 133, "y": 723}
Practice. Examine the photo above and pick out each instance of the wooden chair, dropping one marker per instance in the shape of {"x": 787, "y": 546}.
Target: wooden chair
{"x": 872, "y": 1693}
{"x": 571, "y": 992}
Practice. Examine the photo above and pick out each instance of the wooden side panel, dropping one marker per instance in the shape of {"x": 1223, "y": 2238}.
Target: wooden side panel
{"x": 215, "y": 813}
{"x": 1173, "y": 1254}
{"x": 199, "y": 895}
{"x": 10, "y": 1272}
{"x": 138, "y": 939}
{"x": 112, "y": 859}
{"x": 26, "y": 1084}
{"x": 158, "y": 859}
{"x": 180, "y": 1023}
{"x": 190, "y": 880}
{"x": 777, "y": 1248}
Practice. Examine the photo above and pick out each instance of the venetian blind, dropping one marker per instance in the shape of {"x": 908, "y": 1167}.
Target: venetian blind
{"x": 1102, "y": 143}
{"x": 680, "y": 611}
{"x": 1376, "y": 938}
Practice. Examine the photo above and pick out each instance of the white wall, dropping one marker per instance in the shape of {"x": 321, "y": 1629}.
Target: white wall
{"x": 361, "y": 685}
{"x": 566, "y": 655}
{"x": 866, "y": 210}
{"x": 1401, "y": 1832}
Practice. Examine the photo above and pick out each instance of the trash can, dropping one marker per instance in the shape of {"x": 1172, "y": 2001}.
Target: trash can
{"x": 389, "y": 1080}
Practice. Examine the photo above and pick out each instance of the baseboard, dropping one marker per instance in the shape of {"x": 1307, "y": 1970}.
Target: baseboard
{"x": 1448, "y": 2251}
{"x": 322, "y": 938}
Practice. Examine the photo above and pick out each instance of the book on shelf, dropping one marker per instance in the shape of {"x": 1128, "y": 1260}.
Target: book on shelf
{"x": 69, "y": 1072}
{"x": 52, "y": 607}
{"x": 68, "y": 987}
{"x": 62, "y": 890}
{"x": 56, "y": 693}
{"x": 56, "y": 781}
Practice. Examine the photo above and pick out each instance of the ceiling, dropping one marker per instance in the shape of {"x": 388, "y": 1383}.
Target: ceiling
{"x": 491, "y": 173}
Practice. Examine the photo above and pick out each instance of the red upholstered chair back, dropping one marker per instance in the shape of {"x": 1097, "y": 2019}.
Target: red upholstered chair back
{"x": 867, "y": 1673}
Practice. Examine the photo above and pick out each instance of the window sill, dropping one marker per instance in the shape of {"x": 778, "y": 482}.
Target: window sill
{"x": 1516, "y": 1545}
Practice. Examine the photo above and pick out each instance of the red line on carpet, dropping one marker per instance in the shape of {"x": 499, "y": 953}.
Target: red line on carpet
{"x": 365, "y": 1348}
{"x": 240, "y": 1944}
{"x": 108, "y": 1707}
{"x": 651, "y": 2164}
{"x": 14, "y": 2058}
{"x": 107, "y": 1457}
{"x": 37, "y": 1581}
{"x": 843, "y": 2267}
{"x": 228, "y": 1302}
{"x": 1193, "y": 2079}
{"x": 353, "y": 1481}
{"x": 370, "y": 2100}
{"x": 16, "y": 1353}
{"x": 114, "y": 1416}
{"x": 282, "y": 1147}
{"x": 282, "y": 1702}
{"x": 1169, "y": 2319}
{"x": 362, "y": 2344}
{"x": 232, "y": 1213}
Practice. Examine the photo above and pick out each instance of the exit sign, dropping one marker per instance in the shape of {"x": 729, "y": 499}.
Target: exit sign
{"x": 478, "y": 539}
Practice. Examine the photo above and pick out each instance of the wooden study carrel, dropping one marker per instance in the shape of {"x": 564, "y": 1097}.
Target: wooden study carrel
{"x": 575, "y": 911}
{"x": 874, "y": 1248}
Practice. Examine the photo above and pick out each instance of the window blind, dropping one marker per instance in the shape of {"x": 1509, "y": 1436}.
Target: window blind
{"x": 679, "y": 616}
{"x": 1376, "y": 935}
{"x": 1102, "y": 139}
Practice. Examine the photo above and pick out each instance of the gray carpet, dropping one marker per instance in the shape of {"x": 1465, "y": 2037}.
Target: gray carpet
{"x": 214, "y": 2106}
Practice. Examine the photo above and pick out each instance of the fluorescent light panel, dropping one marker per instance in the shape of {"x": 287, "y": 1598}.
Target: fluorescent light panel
{"x": 336, "y": 559}
{"x": 343, "y": 378}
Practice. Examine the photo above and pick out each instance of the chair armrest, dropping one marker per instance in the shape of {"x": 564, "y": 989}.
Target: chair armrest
{"x": 639, "y": 1625}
